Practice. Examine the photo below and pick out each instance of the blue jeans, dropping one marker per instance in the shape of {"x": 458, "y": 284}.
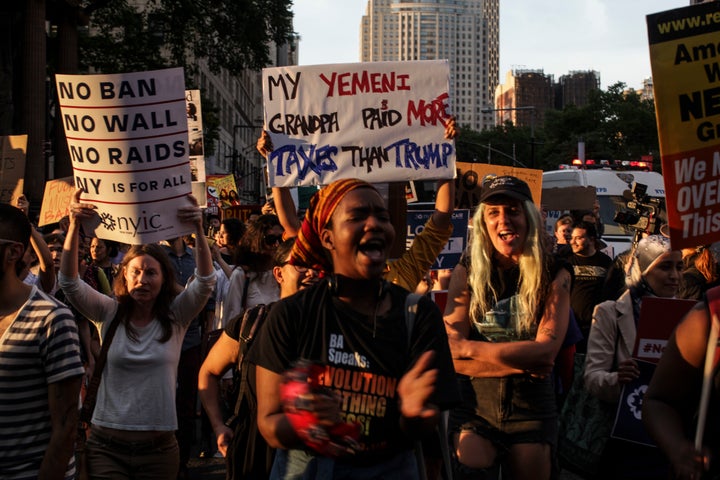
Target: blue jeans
{"x": 301, "y": 465}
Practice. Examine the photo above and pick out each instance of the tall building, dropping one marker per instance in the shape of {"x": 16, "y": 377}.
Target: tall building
{"x": 574, "y": 88}
{"x": 240, "y": 109}
{"x": 524, "y": 97}
{"x": 465, "y": 32}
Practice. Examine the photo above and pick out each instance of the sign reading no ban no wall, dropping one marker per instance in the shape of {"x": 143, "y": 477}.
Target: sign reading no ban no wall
{"x": 128, "y": 140}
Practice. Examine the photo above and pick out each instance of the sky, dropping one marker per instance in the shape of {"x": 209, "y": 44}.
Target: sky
{"x": 556, "y": 36}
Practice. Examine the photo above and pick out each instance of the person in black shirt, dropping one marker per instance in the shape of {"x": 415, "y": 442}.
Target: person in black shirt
{"x": 375, "y": 373}
{"x": 590, "y": 267}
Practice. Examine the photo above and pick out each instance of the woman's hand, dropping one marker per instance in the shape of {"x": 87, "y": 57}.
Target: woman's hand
{"x": 264, "y": 144}
{"x": 79, "y": 210}
{"x": 627, "y": 371}
{"x": 451, "y": 130}
{"x": 688, "y": 464}
{"x": 23, "y": 204}
{"x": 215, "y": 252}
{"x": 192, "y": 214}
{"x": 325, "y": 406}
{"x": 224, "y": 436}
{"x": 416, "y": 387}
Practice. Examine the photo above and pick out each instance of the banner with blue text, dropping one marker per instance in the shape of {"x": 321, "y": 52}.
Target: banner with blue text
{"x": 379, "y": 121}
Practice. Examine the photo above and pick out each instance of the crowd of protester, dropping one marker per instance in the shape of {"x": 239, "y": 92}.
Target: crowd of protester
{"x": 340, "y": 372}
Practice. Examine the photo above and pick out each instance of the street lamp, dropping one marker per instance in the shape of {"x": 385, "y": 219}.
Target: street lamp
{"x": 533, "y": 111}
{"x": 235, "y": 153}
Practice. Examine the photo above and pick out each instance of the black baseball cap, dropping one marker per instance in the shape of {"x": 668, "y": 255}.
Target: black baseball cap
{"x": 505, "y": 185}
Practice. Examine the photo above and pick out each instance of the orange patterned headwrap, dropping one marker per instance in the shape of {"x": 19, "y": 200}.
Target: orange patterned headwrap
{"x": 308, "y": 249}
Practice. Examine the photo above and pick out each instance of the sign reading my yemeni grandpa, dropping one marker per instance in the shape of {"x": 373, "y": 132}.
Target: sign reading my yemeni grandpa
{"x": 128, "y": 141}
{"x": 379, "y": 121}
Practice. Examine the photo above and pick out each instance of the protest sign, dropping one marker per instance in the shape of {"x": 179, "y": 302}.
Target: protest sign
{"x": 221, "y": 191}
{"x": 628, "y": 420}
{"x": 686, "y": 74}
{"x": 658, "y": 319}
{"x": 128, "y": 142}
{"x": 450, "y": 254}
{"x": 380, "y": 121}
{"x": 410, "y": 192}
{"x": 241, "y": 212}
{"x": 470, "y": 176}
{"x": 12, "y": 167}
{"x": 56, "y": 200}
{"x": 196, "y": 147}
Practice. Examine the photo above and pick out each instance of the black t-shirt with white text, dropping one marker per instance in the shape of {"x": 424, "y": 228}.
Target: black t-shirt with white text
{"x": 363, "y": 362}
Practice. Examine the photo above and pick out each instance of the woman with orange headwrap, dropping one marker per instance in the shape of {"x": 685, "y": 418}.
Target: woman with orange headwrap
{"x": 371, "y": 382}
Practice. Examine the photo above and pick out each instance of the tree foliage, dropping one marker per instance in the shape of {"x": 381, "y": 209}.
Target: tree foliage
{"x": 614, "y": 125}
{"x": 234, "y": 35}
{"x": 230, "y": 34}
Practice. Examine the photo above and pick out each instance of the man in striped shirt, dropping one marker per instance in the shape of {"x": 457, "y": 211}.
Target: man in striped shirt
{"x": 40, "y": 368}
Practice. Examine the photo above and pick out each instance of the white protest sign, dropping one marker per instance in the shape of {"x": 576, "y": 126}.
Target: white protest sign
{"x": 128, "y": 141}
{"x": 380, "y": 121}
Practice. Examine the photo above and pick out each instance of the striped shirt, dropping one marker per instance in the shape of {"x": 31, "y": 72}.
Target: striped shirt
{"x": 40, "y": 347}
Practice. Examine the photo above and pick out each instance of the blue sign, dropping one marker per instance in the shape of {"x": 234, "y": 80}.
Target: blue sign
{"x": 628, "y": 422}
{"x": 450, "y": 255}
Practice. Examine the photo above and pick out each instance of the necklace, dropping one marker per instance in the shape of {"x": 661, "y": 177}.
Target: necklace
{"x": 380, "y": 296}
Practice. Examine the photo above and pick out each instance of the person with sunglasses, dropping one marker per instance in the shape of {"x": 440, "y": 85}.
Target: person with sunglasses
{"x": 243, "y": 462}
{"x": 251, "y": 281}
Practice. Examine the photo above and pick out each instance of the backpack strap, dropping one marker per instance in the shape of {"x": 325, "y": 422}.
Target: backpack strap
{"x": 88, "y": 405}
{"x": 411, "y": 306}
{"x": 251, "y": 321}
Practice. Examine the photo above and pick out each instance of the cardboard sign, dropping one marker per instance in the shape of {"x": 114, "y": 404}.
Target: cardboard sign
{"x": 628, "y": 420}
{"x": 380, "y": 121}
{"x": 658, "y": 319}
{"x": 470, "y": 177}
{"x": 686, "y": 74}
{"x": 128, "y": 142}
{"x": 450, "y": 254}
{"x": 56, "y": 200}
{"x": 13, "y": 150}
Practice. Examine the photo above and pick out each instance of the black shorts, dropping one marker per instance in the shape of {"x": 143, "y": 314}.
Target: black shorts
{"x": 507, "y": 410}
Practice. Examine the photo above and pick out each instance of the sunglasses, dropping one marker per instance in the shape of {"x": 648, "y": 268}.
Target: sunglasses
{"x": 298, "y": 268}
{"x": 272, "y": 239}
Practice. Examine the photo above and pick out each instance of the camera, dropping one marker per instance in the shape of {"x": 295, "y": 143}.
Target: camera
{"x": 641, "y": 211}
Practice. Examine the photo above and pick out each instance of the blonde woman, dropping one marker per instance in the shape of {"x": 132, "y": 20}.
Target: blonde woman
{"x": 506, "y": 317}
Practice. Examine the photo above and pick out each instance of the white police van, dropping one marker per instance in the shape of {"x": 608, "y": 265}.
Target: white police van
{"x": 612, "y": 188}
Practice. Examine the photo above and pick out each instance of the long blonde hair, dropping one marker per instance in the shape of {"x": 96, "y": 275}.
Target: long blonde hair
{"x": 533, "y": 282}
